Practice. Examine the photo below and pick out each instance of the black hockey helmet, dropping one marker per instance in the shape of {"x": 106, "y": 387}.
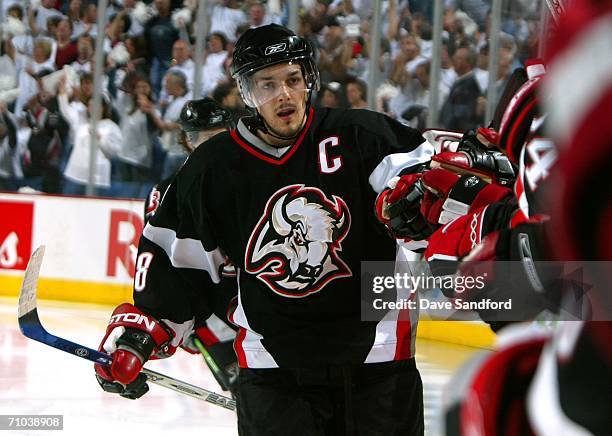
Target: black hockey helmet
{"x": 265, "y": 46}
{"x": 201, "y": 115}
{"x": 198, "y": 115}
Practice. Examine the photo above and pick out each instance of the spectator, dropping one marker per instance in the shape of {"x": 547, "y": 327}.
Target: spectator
{"x": 76, "y": 14}
{"x": 22, "y": 42}
{"x": 310, "y": 28}
{"x": 10, "y": 166}
{"x": 460, "y": 110}
{"x": 331, "y": 95}
{"x": 42, "y": 155}
{"x": 258, "y": 16}
{"x": 505, "y": 66}
{"x": 476, "y": 9}
{"x": 90, "y": 20}
{"x": 49, "y": 35}
{"x": 160, "y": 35}
{"x": 181, "y": 61}
{"x": 76, "y": 174}
{"x": 411, "y": 104}
{"x": 213, "y": 70}
{"x": 85, "y": 52}
{"x": 508, "y": 42}
{"x": 84, "y": 92}
{"x": 135, "y": 157}
{"x": 16, "y": 11}
{"x": 81, "y": 95}
{"x": 66, "y": 49}
{"x": 225, "y": 17}
{"x": 38, "y": 18}
{"x": 119, "y": 27}
{"x": 481, "y": 72}
{"x": 336, "y": 54}
{"x": 406, "y": 61}
{"x": 330, "y": 51}
{"x": 448, "y": 75}
{"x": 176, "y": 83}
{"x": 136, "y": 47}
{"x": 461, "y": 28}
{"x": 136, "y": 27}
{"x": 29, "y": 69}
{"x": 354, "y": 55}
{"x": 356, "y": 94}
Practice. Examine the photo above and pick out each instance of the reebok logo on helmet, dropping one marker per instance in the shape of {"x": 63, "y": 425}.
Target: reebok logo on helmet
{"x": 276, "y": 48}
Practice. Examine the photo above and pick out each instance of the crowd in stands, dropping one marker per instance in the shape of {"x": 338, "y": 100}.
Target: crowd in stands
{"x": 47, "y": 63}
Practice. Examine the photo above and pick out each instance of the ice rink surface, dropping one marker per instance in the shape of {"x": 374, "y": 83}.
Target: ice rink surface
{"x": 37, "y": 379}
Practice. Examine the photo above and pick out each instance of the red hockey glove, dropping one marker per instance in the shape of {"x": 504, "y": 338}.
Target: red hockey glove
{"x": 398, "y": 208}
{"x": 457, "y": 238}
{"x": 449, "y": 195}
{"x": 131, "y": 337}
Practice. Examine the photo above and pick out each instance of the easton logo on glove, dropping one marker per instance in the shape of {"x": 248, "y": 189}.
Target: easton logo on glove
{"x": 134, "y": 318}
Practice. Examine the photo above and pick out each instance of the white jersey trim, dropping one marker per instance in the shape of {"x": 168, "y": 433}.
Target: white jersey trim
{"x": 255, "y": 353}
{"x": 256, "y": 141}
{"x": 186, "y": 252}
{"x": 392, "y": 164}
{"x": 386, "y": 341}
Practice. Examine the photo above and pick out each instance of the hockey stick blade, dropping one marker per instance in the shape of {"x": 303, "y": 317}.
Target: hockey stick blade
{"x": 31, "y": 327}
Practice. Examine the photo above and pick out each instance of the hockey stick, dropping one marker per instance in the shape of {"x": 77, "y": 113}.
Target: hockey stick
{"x": 31, "y": 327}
{"x": 212, "y": 365}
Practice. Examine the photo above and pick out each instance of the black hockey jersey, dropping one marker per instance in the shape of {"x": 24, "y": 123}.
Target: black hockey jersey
{"x": 296, "y": 222}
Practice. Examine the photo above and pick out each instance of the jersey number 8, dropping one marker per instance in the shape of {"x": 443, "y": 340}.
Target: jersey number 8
{"x": 142, "y": 268}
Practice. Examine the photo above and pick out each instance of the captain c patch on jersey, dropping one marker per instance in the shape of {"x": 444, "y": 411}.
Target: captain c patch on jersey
{"x": 295, "y": 247}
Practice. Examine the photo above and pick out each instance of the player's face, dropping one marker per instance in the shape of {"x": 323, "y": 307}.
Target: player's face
{"x": 282, "y": 91}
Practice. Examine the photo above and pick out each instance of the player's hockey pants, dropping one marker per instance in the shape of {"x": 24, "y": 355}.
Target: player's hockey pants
{"x": 383, "y": 399}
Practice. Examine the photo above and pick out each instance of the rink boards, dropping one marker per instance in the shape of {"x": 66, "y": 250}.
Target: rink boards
{"x": 91, "y": 247}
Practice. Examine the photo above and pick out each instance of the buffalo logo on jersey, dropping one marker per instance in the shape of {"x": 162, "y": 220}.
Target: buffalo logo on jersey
{"x": 295, "y": 246}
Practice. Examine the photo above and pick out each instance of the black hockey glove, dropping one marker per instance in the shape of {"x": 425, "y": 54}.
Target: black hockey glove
{"x": 472, "y": 157}
{"x": 399, "y": 209}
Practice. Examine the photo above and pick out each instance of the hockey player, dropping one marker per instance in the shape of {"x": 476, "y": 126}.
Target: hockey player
{"x": 200, "y": 120}
{"x": 287, "y": 197}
